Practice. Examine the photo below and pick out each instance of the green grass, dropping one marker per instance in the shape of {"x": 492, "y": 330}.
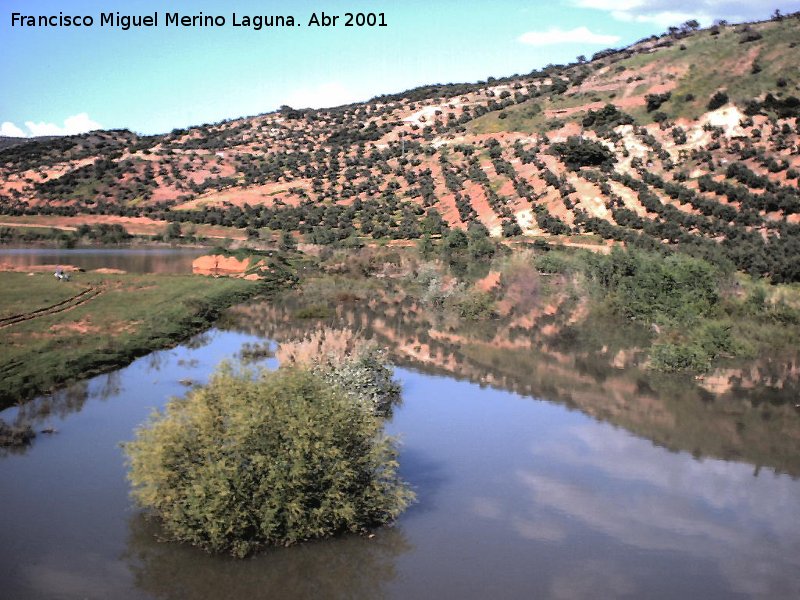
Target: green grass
{"x": 710, "y": 63}
{"x": 23, "y": 293}
{"x": 700, "y": 315}
{"x": 713, "y": 58}
{"x": 528, "y": 117}
{"x": 133, "y": 315}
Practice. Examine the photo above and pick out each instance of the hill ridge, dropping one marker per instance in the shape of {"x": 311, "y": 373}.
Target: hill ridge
{"x": 686, "y": 140}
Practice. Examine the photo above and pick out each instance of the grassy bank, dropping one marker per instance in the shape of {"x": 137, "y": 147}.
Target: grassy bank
{"x": 699, "y": 313}
{"x": 687, "y": 314}
{"x": 54, "y": 332}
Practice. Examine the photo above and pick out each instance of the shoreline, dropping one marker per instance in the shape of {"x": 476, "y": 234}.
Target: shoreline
{"x": 107, "y": 333}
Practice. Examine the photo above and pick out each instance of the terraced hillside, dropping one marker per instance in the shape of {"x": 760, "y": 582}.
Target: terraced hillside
{"x": 685, "y": 140}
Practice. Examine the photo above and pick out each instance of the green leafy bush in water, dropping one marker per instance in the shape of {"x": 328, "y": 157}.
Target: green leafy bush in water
{"x": 342, "y": 358}
{"x": 365, "y": 378}
{"x": 279, "y": 458}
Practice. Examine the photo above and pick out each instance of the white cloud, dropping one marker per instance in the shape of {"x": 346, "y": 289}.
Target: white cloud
{"x": 623, "y": 5}
{"x": 324, "y": 95}
{"x": 10, "y": 130}
{"x": 80, "y": 123}
{"x": 554, "y": 35}
{"x": 674, "y": 12}
{"x": 644, "y": 497}
{"x": 663, "y": 19}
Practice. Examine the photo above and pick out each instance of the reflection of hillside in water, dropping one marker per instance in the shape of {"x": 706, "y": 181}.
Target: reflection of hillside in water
{"x": 552, "y": 352}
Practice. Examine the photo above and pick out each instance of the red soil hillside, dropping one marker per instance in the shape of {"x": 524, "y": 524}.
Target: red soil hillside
{"x": 685, "y": 138}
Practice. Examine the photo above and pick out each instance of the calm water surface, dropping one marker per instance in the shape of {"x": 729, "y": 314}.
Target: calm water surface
{"x": 132, "y": 260}
{"x": 650, "y": 490}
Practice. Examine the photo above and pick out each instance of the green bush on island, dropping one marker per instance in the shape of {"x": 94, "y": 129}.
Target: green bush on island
{"x": 349, "y": 362}
{"x": 366, "y": 380}
{"x": 273, "y": 459}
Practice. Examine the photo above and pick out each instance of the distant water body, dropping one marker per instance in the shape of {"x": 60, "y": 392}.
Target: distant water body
{"x": 132, "y": 260}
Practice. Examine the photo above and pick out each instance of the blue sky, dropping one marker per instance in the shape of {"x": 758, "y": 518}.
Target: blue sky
{"x": 151, "y": 80}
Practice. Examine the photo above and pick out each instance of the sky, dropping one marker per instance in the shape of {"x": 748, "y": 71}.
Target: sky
{"x": 64, "y": 80}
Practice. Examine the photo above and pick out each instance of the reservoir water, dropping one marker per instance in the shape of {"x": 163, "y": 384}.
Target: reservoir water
{"x": 545, "y": 465}
{"x": 132, "y": 260}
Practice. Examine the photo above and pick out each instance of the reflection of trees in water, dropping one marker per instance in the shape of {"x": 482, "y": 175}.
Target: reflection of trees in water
{"x": 110, "y": 386}
{"x": 63, "y": 402}
{"x": 198, "y": 341}
{"x": 746, "y": 412}
{"x": 498, "y": 352}
{"x": 15, "y": 437}
{"x": 60, "y": 403}
{"x": 349, "y": 567}
{"x": 32, "y": 414}
{"x": 503, "y": 352}
{"x": 155, "y": 360}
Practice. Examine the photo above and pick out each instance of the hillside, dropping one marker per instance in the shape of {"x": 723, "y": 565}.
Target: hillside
{"x": 686, "y": 140}
{"x": 7, "y": 142}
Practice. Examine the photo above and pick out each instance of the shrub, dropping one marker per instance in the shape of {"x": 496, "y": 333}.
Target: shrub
{"x": 654, "y": 101}
{"x": 425, "y": 246}
{"x": 287, "y": 242}
{"x": 675, "y": 357}
{"x": 456, "y": 240}
{"x": 246, "y": 462}
{"x": 480, "y": 245}
{"x": 439, "y": 291}
{"x": 475, "y": 305}
{"x": 646, "y": 287}
{"x": 718, "y": 100}
{"x": 365, "y": 378}
{"x": 579, "y": 152}
{"x": 511, "y": 228}
{"x": 679, "y": 136}
{"x": 607, "y": 117}
{"x": 552, "y": 262}
{"x": 749, "y": 36}
{"x": 702, "y": 345}
{"x": 715, "y": 339}
{"x": 349, "y": 362}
